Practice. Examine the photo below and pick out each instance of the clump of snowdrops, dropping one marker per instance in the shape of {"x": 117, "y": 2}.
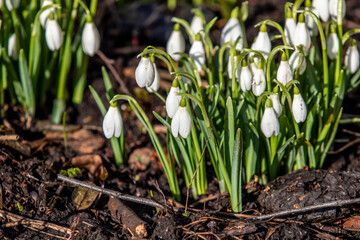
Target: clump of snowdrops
{"x": 40, "y": 42}
{"x": 255, "y": 109}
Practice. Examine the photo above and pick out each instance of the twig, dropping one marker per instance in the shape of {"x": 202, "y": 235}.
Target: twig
{"x": 122, "y": 196}
{"x": 346, "y": 146}
{"x": 9, "y": 137}
{"x": 108, "y": 63}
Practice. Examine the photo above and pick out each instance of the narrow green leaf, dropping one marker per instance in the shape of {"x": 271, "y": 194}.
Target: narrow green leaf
{"x": 98, "y": 100}
{"x": 26, "y": 84}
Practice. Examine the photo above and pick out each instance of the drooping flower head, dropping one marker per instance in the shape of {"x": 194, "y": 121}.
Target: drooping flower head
{"x": 245, "y": 77}
{"x": 310, "y": 23}
{"x": 232, "y": 30}
{"x": 298, "y": 60}
{"x": 197, "y": 22}
{"x": 290, "y": 27}
{"x": 269, "y": 122}
{"x": 53, "y": 33}
{"x": 90, "y": 39}
{"x": 321, "y": 8}
{"x": 298, "y": 106}
{"x": 252, "y": 65}
{"x": 44, "y": 15}
{"x": 263, "y": 42}
{"x": 173, "y": 99}
{"x": 156, "y": 83}
{"x": 13, "y": 49}
{"x": 332, "y": 43}
{"x": 197, "y": 52}
{"x": 112, "y": 123}
{"x": 284, "y": 73}
{"x": 333, "y": 8}
{"x": 259, "y": 81}
{"x": 302, "y": 36}
{"x": 276, "y": 102}
{"x": 175, "y": 43}
{"x": 352, "y": 57}
{"x": 12, "y": 4}
{"x": 181, "y": 123}
{"x": 144, "y": 73}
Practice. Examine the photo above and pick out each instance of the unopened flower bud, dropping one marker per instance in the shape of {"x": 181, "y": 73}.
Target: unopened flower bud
{"x": 173, "y": 99}
{"x": 269, "y": 122}
{"x": 13, "y": 50}
{"x": 144, "y": 73}
{"x": 181, "y": 123}
{"x": 197, "y": 23}
{"x": 332, "y": 43}
{"x": 197, "y": 52}
{"x": 245, "y": 77}
{"x": 298, "y": 106}
{"x": 175, "y": 43}
{"x": 12, "y": 4}
{"x": 302, "y": 36}
{"x": 112, "y": 123}
{"x": 90, "y": 39}
{"x": 53, "y": 34}
{"x": 232, "y": 30}
{"x": 284, "y": 73}
{"x": 259, "y": 81}
{"x": 352, "y": 57}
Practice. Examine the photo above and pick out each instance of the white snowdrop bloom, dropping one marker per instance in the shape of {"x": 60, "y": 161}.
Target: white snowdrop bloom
{"x": 175, "y": 43}
{"x": 352, "y": 57}
{"x": 173, "y": 99}
{"x": 259, "y": 81}
{"x": 145, "y": 73}
{"x": 276, "y": 104}
{"x": 333, "y": 8}
{"x": 112, "y": 123}
{"x": 90, "y": 39}
{"x": 284, "y": 72}
{"x": 44, "y": 15}
{"x": 269, "y": 122}
{"x": 231, "y": 62}
{"x": 262, "y": 42}
{"x": 245, "y": 77}
{"x": 197, "y": 52}
{"x": 321, "y": 7}
{"x": 298, "y": 107}
{"x": 332, "y": 46}
{"x": 197, "y": 23}
{"x": 53, "y": 34}
{"x": 181, "y": 123}
{"x": 232, "y": 30}
{"x": 289, "y": 28}
{"x": 295, "y": 60}
{"x": 252, "y": 65}
{"x": 302, "y": 36}
{"x": 156, "y": 83}
{"x": 13, "y": 50}
{"x": 12, "y": 4}
{"x": 310, "y": 23}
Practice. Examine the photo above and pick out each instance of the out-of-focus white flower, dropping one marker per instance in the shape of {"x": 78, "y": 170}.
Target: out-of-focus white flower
{"x": 12, "y": 4}
{"x": 276, "y": 104}
{"x": 181, "y": 123}
{"x": 145, "y": 73}
{"x": 310, "y": 23}
{"x": 245, "y": 77}
{"x": 53, "y": 34}
{"x": 44, "y": 15}
{"x": 252, "y": 65}
{"x": 333, "y": 8}
{"x": 296, "y": 61}
{"x": 262, "y": 42}
{"x": 231, "y": 62}
{"x": 112, "y": 123}
{"x": 232, "y": 30}
{"x": 269, "y": 122}
{"x": 1, "y": 3}
{"x": 156, "y": 83}
{"x": 197, "y": 23}
{"x": 289, "y": 28}
{"x": 175, "y": 43}
{"x": 90, "y": 39}
{"x": 284, "y": 73}
{"x": 332, "y": 43}
{"x": 173, "y": 99}
{"x": 352, "y": 57}
{"x": 298, "y": 106}
{"x": 197, "y": 52}
{"x": 302, "y": 36}
{"x": 321, "y": 7}
{"x": 13, "y": 50}
{"x": 259, "y": 81}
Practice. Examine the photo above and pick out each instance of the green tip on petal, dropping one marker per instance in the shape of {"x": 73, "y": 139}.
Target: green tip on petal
{"x": 301, "y": 18}
{"x": 352, "y": 42}
{"x": 289, "y": 13}
{"x": 268, "y": 103}
{"x": 284, "y": 58}
{"x": 235, "y": 13}
{"x": 276, "y": 89}
{"x": 296, "y": 90}
{"x": 183, "y": 102}
{"x": 176, "y": 27}
{"x": 308, "y": 4}
{"x": 198, "y": 37}
{"x": 89, "y": 18}
{"x": 244, "y": 63}
{"x": 332, "y": 28}
{"x": 263, "y": 28}
{"x": 260, "y": 65}
{"x": 251, "y": 60}
{"x": 51, "y": 16}
{"x": 113, "y": 104}
{"x": 175, "y": 83}
{"x": 197, "y": 12}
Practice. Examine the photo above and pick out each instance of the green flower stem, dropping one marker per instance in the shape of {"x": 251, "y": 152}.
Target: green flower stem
{"x": 83, "y": 5}
{"x": 275, "y": 25}
{"x": 340, "y": 36}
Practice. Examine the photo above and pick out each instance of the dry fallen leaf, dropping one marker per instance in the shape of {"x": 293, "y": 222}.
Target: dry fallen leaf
{"x": 83, "y": 198}
{"x": 90, "y": 162}
{"x": 140, "y": 158}
{"x": 352, "y": 223}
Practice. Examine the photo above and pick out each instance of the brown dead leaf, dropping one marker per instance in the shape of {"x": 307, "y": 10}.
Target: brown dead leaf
{"x": 90, "y": 162}
{"x": 141, "y": 158}
{"x": 352, "y": 223}
{"x": 83, "y": 198}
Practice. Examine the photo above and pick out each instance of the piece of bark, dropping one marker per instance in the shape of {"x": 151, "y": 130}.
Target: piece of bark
{"x": 120, "y": 213}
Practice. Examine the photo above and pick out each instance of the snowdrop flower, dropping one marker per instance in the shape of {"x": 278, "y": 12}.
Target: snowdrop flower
{"x": 352, "y": 57}
{"x": 295, "y": 61}
{"x": 269, "y": 122}
{"x": 298, "y": 106}
{"x": 53, "y": 34}
{"x": 44, "y": 15}
{"x": 231, "y": 62}
{"x": 290, "y": 27}
{"x": 90, "y": 38}
{"x": 232, "y": 30}
{"x": 332, "y": 43}
{"x": 197, "y": 23}
{"x": 173, "y": 99}
{"x": 13, "y": 50}
{"x": 284, "y": 72}
{"x": 197, "y": 52}
{"x": 262, "y": 42}
{"x": 333, "y": 8}
{"x": 252, "y": 65}
{"x": 156, "y": 83}
{"x": 144, "y": 73}
{"x": 276, "y": 102}
{"x": 175, "y": 43}
{"x": 321, "y": 8}
{"x": 310, "y": 23}
{"x": 12, "y": 4}
{"x": 259, "y": 82}
{"x": 245, "y": 77}
{"x": 112, "y": 123}
{"x": 181, "y": 123}
{"x": 302, "y": 36}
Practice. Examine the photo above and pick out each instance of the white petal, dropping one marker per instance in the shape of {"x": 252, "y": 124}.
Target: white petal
{"x": 108, "y": 123}
{"x": 196, "y": 24}
{"x": 44, "y": 15}
{"x": 269, "y": 123}
{"x": 322, "y": 8}
{"x": 197, "y": 53}
{"x": 53, "y": 35}
{"x": 185, "y": 122}
{"x": 289, "y": 31}
{"x": 90, "y": 39}
{"x": 332, "y": 45}
{"x": 12, "y": 47}
{"x": 231, "y": 31}
{"x": 176, "y": 43}
{"x": 175, "y": 124}
{"x": 299, "y": 108}
{"x": 310, "y": 23}
{"x": 245, "y": 78}
{"x": 302, "y": 36}
{"x": 262, "y": 44}
{"x": 284, "y": 73}
{"x": 276, "y": 104}
{"x": 295, "y": 60}
{"x": 172, "y": 102}
{"x": 156, "y": 84}
{"x": 333, "y": 9}
{"x": 352, "y": 58}
{"x": 12, "y": 4}
{"x": 259, "y": 82}
{"x": 144, "y": 73}
{"x": 118, "y": 122}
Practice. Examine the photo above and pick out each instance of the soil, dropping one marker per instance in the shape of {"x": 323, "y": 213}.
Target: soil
{"x": 35, "y": 205}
